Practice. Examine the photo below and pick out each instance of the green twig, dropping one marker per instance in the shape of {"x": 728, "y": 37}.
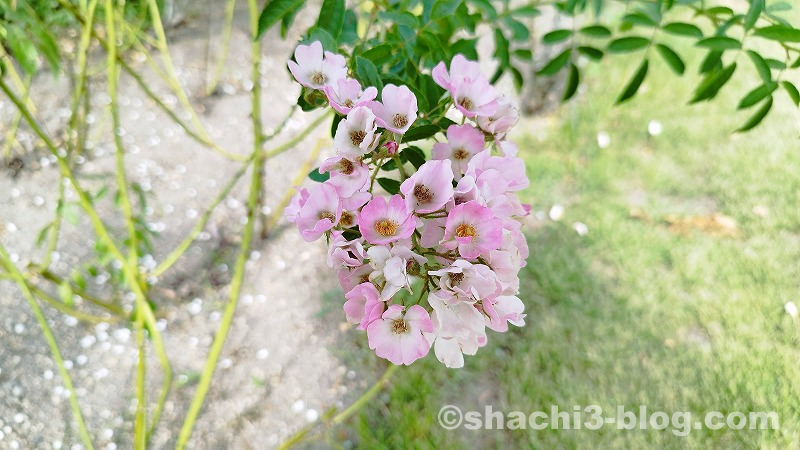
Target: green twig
{"x": 239, "y": 268}
{"x": 9, "y": 266}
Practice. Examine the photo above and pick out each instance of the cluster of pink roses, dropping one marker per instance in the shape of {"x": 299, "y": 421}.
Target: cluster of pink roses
{"x": 452, "y": 230}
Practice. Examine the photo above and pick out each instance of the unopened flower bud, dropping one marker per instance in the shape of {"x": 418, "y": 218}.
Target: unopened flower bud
{"x": 391, "y": 147}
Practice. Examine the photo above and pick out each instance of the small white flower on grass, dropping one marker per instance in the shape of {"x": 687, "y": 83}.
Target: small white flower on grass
{"x": 603, "y": 139}
{"x": 791, "y": 309}
{"x": 655, "y": 128}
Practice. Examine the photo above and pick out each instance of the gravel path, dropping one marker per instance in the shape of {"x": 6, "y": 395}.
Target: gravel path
{"x": 289, "y": 353}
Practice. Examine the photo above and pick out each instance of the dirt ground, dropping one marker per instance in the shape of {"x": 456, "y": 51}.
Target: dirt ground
{"x": 286, "y": 360}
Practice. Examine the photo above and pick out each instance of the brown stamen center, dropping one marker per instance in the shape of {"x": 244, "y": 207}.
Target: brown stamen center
{"x": 399, "y": 326}
{"x": 455, "y": 278}
{"x": 318, "y": 78}
{"x": 364, "y": 278}
{"x": 357, "y": 137}
{"x": 327, "y": 215}
{"x": 346, "y": 166}
{"x": 466, "y": 103}
{"x": 346, "y": 220}
{"x": 422, "y": 193}
{"x": 466, "y": 230}
{"x": 399, "y": 121}
{"x": 460, "y": 154}
{"x": 386, "y": 227}
{"x": 349, "y": 103}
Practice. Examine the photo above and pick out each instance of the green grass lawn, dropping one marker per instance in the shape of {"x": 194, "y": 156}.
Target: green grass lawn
{"x": 657, "y": 305}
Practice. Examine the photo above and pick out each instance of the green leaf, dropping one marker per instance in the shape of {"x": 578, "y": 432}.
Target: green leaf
{"x": 414, "y": 155}
{"x": 379, "y": 54}
{"x": 403, "y": 18}
{"x": 367, "y": 73}
{"x": 595, "y": 54}
{"x": 757, "y": 94}
{"x": 635, "y": 83}
{"x": 719, "y": 11}
{"x": 43, "y": 233}
{"x": 389, "y": 185}
{"x": 319, "y": 177}
{"x": 596, "y": 31}
{"x": 756, "y": 7}
{"x": 65, "y": 293}
{"x": 556, "y": 36}
{"x": 48, "y": 47}
{"x": 720, "y": 43}
{"x": 757, "y": 117}
{"x": 501, "y": 50}
{"x": 779, "y": 33}
{"x": 572, "y": 83}
{"x": 712, "y": 62}
{"x": 638, "y": 19}
{"x": 710, "y": 86}
{"x": 518, "y": 79}
{"x": 466, "y": 47}
{"x": 671, "y": 58}
{"x": 526, "y": 11}
{"x": 335, "y": 123}
{"x": 761, "y": 65}
{"x": 556, "y": 63}
{"x": 288, "y": 19}
{"x": 775, "y": 64}
{"x": 273, "y": 12}
{"x": 519, "y": 32}
{"x": 628, "y": 44}
{"x": 331, "y": 17}
{"x": 486, "y": 7}
{"x": 683, "y": 29}
{"x": 324, "y": 38}
{"x": 779, "y": 7}
{"x": 22, "y": 48}
{"x": 420, "y": 132}
{"x": 523, "y": 54}
{"x": 444, "y": 8}
{"x": 792, "y": 91}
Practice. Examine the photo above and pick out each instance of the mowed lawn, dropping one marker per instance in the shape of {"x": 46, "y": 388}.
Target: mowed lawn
{"x": 674, "y": 299}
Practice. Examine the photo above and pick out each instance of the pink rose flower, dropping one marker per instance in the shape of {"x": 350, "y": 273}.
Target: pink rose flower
{"x": 381, "y": 222}
{"x": 397, "y": 109}
{"x": 320, "y": 213}
{"x": 473, "y": 229}
{"x": 347, "y": 176}
{"x": 363, "y": 305}
{"x": 397, "y": 335}
{"x": 355, "y": 135}
{"x": 463, "y": 142}
{"x": 430, "y": 188}
{"x": 346, "y": 94}
{"x": 314, "y": 71}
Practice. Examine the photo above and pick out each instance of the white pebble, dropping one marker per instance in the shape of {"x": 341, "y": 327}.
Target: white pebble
{"x": 48, "y": 374}
{"x": 298, "y": 406}
{"x": 790, "y": 308}
{"x": 19, "y": 328}
{"x": 262, "y": 354}
{"x": 655, "y": 128}
{"x": 312, "y": 415}
{"x": 603, "y": 139}
{"x": 556, "y": 213}
{"x": 88, "y": 341}
{"x": 580, "y": 228}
